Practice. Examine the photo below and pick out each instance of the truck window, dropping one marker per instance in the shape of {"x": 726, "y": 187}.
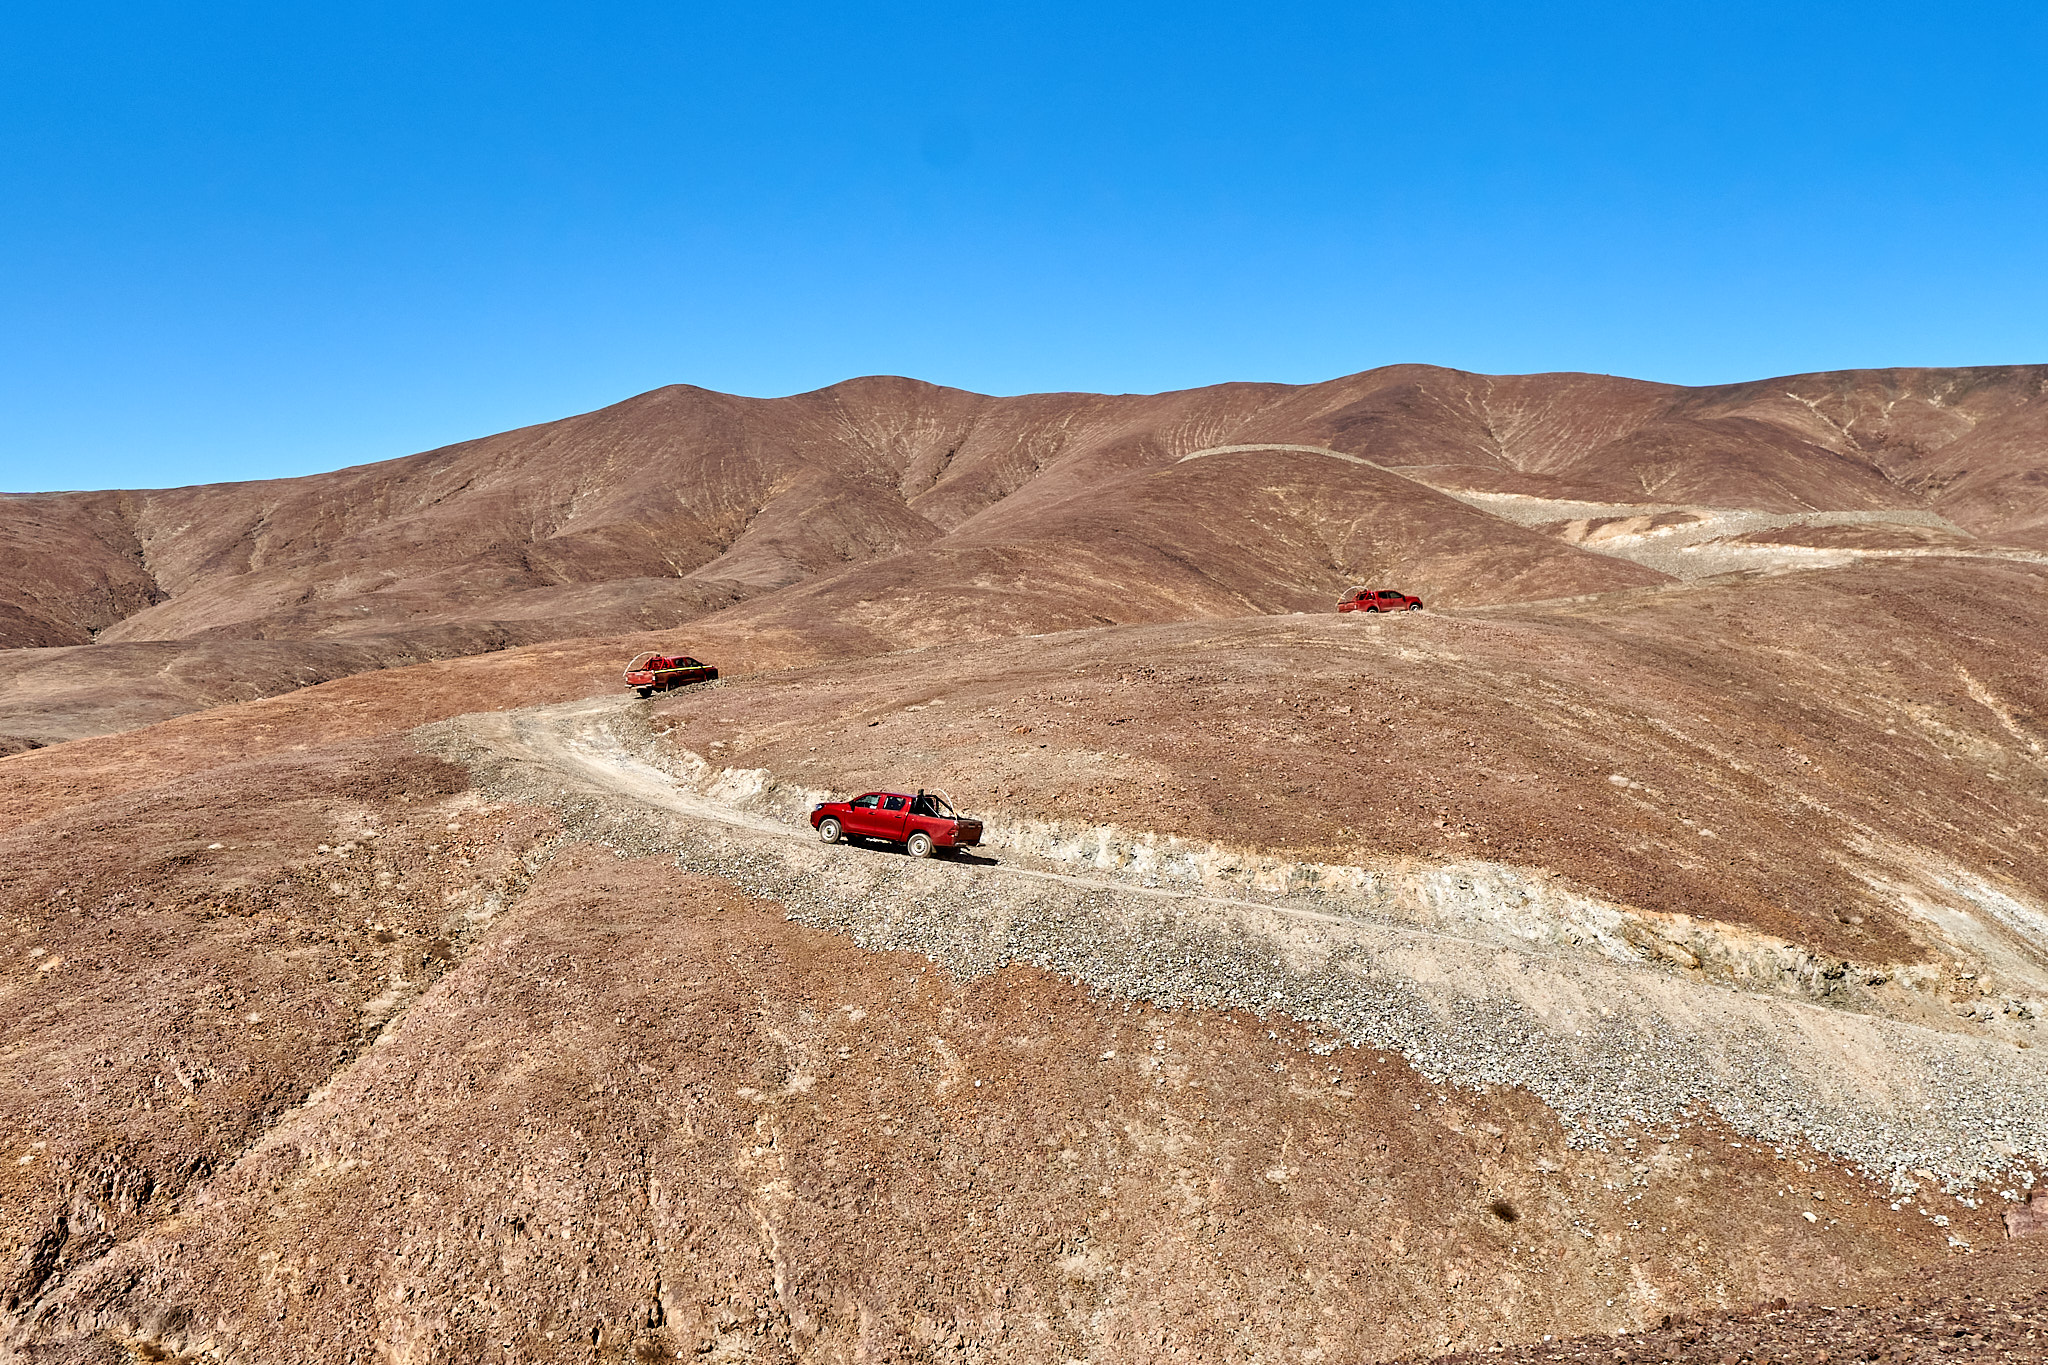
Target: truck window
{"x": 864, "y": 803}
{"x": 893, "y": 803}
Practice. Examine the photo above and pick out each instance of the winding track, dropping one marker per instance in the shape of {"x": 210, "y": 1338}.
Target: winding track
{"x": 577, "y": 743}
{"x": 1604, "y": 1042}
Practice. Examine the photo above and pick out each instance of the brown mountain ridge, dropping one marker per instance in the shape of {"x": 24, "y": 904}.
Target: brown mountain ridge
{"x": 1017, "y": 514}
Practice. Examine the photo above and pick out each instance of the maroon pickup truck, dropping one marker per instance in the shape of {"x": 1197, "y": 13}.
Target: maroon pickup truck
{"x": 924, "y": 824}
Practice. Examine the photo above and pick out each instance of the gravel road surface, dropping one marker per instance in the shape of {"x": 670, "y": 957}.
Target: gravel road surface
{"x": 1609, "y": 1045}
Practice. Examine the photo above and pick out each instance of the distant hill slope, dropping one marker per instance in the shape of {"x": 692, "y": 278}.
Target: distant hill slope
{"x": 884, "y": 512}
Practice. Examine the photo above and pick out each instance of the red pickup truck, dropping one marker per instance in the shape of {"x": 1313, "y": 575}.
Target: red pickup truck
{"x": 924, "y": 824}
{"x": 1378, "y": 599}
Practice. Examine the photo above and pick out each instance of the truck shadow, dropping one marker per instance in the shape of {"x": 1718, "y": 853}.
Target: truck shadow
{"x": 938, "y": 855}
{"x": 971, "y": 860}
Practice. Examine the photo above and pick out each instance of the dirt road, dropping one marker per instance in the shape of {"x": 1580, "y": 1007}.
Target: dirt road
{"x": 1480, "y": 975}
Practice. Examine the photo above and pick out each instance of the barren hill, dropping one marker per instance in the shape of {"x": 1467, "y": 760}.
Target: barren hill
{"x": 901, "y": 511}
{"x": 1650, "y": 931}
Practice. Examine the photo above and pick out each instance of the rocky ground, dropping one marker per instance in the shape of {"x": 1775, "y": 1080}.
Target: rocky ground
{"x": 648, "y": 1114}
{"x": 527, "y": 1070}
{"x": 1639, "y": 954}
{"x": 1990, "y": 1308}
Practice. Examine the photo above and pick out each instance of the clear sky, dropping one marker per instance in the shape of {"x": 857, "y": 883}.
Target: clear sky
{"x": 240, "y": 240}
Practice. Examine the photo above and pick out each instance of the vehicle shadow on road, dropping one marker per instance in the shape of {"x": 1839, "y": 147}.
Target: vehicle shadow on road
{"x": 938, "y": 855}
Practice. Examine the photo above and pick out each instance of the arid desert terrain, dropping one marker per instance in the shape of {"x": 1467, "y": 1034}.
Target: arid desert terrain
{"x": 1640, "y": 953}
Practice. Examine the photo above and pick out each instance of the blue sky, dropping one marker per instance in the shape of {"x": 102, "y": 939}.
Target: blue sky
{"x": 243, "y": 240}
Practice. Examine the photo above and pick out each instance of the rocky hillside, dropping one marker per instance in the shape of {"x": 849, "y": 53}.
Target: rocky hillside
{"x": 1638, "y": 954}
{"x": 884, "y": 513}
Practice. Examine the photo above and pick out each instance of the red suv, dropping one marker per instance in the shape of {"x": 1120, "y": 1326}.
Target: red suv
{"x": 1378, "y": 599}
{"x": 924, "y": 824}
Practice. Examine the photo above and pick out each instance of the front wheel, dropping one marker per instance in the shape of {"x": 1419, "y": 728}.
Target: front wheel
{"x": 829, "y": 831}
{"x": 920, "y": 845}
{"x": 1415, "y": 606}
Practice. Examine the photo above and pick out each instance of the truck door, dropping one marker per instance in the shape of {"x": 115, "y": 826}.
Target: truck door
{"x": 892, "y": 818}
{"x": 860, "y": 814}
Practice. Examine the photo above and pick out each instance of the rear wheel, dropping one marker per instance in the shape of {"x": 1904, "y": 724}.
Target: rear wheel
{"x": 829, "y": 831}
{"x": 644, "y": 691}
{"x": 920, "y": 845}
